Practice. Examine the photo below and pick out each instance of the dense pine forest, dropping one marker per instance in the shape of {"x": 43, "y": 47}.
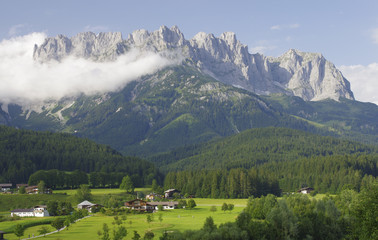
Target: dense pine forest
{"x": 257, "y": 146}
{"x": 235, "y": 183}
{"x": 23, "y": 152}
{"x": 255, "y": 162}
{"x": 293, "y": 158}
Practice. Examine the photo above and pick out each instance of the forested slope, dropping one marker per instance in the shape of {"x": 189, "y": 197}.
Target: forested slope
{"x": 289, "y": 157}
{"x": 257, "y": 146}
{"x": 23, "y": 152}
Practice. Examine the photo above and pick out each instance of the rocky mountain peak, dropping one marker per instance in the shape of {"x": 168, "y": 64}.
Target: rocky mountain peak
{"x": 162, "y": 39}
{"x": 101, "y": 47}
{"x": 229, "y": 38}
{"x": 307, "y": 75}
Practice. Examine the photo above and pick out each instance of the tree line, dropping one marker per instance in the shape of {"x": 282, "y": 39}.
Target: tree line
{"x": 234, "y": 183}
{"x": 350, "y": 215}
{"x": 62, "y": 179}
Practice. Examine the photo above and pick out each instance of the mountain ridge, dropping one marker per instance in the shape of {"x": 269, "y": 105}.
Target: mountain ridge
{"x": 307, "y": 75}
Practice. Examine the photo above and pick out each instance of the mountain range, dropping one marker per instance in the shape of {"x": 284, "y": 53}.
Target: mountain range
{"x": 218, "y": 89}
{"x": 307, "y": 75}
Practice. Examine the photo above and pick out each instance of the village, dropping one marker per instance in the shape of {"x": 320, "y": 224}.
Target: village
{"x": 140, "y": 205}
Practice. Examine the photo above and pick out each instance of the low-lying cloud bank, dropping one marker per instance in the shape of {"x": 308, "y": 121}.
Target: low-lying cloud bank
{"x": 24, "y": 81}
{"x": 364, "y": 81}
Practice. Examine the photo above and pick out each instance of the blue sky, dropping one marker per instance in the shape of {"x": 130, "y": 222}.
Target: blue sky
{"x": 345, "y": 32}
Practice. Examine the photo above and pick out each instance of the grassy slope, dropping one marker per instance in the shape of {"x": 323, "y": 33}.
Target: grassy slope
{"x": 178, "y": 219}
{"x": 27, "y": 200}
{"x": 351, "y": 119}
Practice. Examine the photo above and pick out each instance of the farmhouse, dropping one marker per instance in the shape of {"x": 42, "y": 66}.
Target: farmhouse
{"x": 166, "y": 205}
{"x": 139, "y": 205}
{"x": 5, "y": 187}
{"x": 305, "y": 190}
{"x": 37, "y": 211}
{"x": 169, "y": 193}
{"x": 35, "y": 190}
{"x": 153, "y": 196}
{"x": 87, "y": 205}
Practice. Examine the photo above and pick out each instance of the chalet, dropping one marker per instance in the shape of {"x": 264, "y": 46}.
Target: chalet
{"x": 35, "y": 190}
{"x": 37, "y": 211}
{"x": 5, "y": 187}
{"x": 169, "y": 193}
{"x": 153, "y": 196}
{"x": 139, "y": 205}
{"x": 87, "y": 205}
{"x": 166, "y": 205}
{"x": 305, "y": 190}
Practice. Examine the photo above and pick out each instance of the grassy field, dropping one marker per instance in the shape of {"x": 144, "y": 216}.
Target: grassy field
{"x": 29, "y": 232}
{"x": 179, "y": 219}
{"x": 101, "y": 191}
{"x": 12, "y": 201}
{"x": 219, "y": 202}
{"x": 9, "y": 225}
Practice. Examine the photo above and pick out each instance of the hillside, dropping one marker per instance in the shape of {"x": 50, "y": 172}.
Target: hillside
{"x": 175, "y": 107}
{"x": 22, "y": 152}
{"x": 256, "y": 160}
{"x": 257, "y": 146}
{"x": 352, "y": 119}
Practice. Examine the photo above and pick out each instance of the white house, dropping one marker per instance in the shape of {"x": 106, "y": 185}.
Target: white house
{"x": 41, "y": 211}
{"x": 37, "y": 211}
{"x": 305, "y": 190}
{"x": 5, "y": 187}
{"x": 166, "y": 205}
{"x": 87, "y": 205}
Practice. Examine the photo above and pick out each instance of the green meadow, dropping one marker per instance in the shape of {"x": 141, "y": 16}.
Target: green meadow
{"x": 100, "y": 191}
{"x": 172, "y": 220}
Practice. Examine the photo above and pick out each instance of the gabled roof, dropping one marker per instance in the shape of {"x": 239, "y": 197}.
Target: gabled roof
{"x": 23, "y": 210}
{"x": 41, "y": 206}
{"x": 172, "y": 190}
{"x": 5, "y": 184}
{"x": 85, "y": 203}
{"x": 163, "y": 203}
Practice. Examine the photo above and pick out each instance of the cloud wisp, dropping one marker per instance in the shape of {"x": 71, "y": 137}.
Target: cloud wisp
{"x": 285, "y": 26}
{"x": 25, "y": 82}
{"x": 364, "y": 81}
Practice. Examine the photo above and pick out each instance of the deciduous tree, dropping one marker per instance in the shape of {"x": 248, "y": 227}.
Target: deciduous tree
{"x": 83, "y": 193}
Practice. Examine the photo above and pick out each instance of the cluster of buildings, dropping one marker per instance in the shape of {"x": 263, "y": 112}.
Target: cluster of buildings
{"x": 8, "y": 187}
{"x": 136, "y": 204}
{"x": 151, "y": 206}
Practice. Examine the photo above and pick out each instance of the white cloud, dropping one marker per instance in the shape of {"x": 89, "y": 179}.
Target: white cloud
{"x": 285, "y": 26}
{"x": 24, "y": 81}
{"x": 262, "y": 49}
{"x": 374, "y": 35}
{"x": 275, "y": 27}
{"x": 364, "y": 81}
{"x": 98, "y": 28}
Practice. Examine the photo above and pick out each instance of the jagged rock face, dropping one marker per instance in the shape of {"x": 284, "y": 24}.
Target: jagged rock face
{"x": 101, "y": 47}
{"x": 307, "y": 75}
